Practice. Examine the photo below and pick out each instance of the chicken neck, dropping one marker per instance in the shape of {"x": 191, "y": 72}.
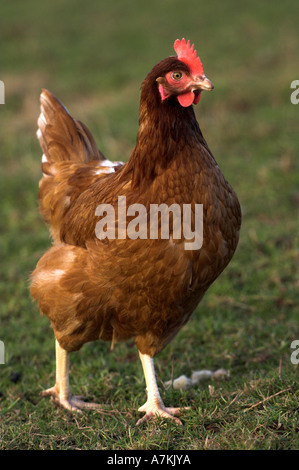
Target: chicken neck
{"x": 166, "y": 131}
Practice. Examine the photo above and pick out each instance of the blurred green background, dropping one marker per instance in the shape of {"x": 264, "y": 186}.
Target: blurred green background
{"x": 94, "y": 56}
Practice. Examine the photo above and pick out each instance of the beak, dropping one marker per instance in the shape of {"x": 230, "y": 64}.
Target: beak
{"x": 203, "y": 83}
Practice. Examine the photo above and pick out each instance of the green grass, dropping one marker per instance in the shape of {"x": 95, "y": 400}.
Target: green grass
{"x": 95, "y": 58}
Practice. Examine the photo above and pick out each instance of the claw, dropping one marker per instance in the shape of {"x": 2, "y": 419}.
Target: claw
{"x": 71, "y": 403}
{"x": 152, "y": 412}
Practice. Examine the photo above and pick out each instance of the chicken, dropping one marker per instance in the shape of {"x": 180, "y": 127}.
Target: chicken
{"x": 112, "y": 286}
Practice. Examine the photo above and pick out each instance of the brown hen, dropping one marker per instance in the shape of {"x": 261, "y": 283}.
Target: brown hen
{"x": 118, "y": 287}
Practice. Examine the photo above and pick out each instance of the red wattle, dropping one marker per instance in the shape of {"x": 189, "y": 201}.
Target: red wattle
{"x": 186, "y": 99}
{"x": 163, "y": 93}
{"x": 197, "y": 98}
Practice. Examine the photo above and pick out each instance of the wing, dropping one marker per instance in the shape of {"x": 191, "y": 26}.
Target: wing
{"x": 71, "y": 162}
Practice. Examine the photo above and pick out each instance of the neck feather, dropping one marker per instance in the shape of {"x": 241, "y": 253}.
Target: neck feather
{"x": 165, "y": 129}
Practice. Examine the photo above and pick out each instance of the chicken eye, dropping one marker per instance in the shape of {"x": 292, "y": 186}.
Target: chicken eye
{"x": 177, "y": 75}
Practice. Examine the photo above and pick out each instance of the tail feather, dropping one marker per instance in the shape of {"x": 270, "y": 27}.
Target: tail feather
{"x": 62, "y": 137}
{"x": 71, "y": 162}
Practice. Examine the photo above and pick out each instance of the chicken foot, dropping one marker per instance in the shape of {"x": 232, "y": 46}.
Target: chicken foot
{"x": 61, "y": 392}
{"x": 154, "y": 405}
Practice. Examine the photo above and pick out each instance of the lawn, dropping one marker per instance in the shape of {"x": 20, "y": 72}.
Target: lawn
{"x": 94, "y": 59}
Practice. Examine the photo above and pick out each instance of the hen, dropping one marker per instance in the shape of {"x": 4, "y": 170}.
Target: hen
{"x": 112, "y": 286}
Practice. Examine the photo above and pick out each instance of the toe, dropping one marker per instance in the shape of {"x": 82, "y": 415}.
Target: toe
{"x": 81, "y": 404}
{"x": 49, "y": 392}
{"x": 176, "y": 411}
{"x": 160, "y": 412}
{"x": 68, "y": 404}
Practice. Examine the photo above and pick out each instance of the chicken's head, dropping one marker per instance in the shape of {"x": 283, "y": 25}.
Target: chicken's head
{"x": 186, "y": 79}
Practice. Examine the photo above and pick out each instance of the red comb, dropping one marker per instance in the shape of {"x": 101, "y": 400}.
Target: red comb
{"x": 188, "y": 54}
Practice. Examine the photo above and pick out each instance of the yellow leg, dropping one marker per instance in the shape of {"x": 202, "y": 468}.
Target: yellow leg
{"x": 61, "y": 392}
{"x": 154, "y": 405}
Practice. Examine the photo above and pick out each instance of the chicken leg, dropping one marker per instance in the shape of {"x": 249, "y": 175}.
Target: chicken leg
{"x": 154, "y": 405}
{"x": 61, "y": 393}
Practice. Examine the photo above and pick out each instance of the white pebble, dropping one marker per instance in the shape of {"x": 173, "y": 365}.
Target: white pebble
{"x": 201, "y": 375}
{"x": 181, "y": 383}
{"x": 220, "y": 374}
